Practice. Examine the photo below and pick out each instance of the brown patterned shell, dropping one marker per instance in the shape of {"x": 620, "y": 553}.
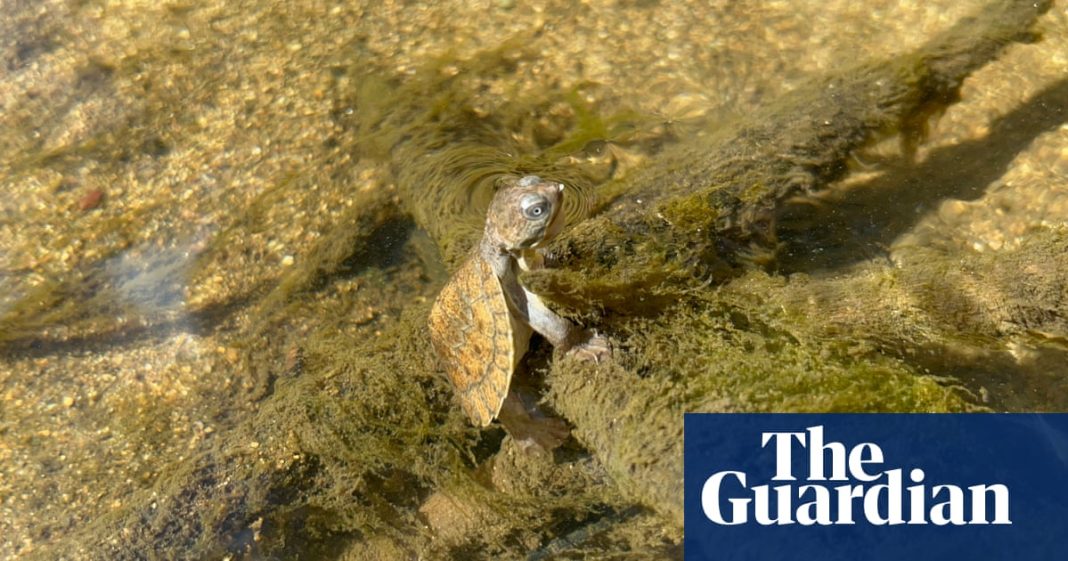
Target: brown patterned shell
{"x": 476, "y": 335}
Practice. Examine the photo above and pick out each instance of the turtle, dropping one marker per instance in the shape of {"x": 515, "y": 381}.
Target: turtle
{"x": 483, "y": 318}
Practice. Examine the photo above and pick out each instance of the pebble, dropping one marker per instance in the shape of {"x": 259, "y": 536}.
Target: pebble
{"x": 91, "y": 200}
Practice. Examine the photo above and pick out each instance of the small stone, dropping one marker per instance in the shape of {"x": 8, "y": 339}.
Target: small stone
{"x": 287, "y": 261}
{"x": 68, "y": 401}
{"x": 91, "y": 200}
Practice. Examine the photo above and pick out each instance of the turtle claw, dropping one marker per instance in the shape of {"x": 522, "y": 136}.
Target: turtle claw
{"x": 544, "y": 436}
{"x": 595, "y": 349}
{"x": 531, "y": 429}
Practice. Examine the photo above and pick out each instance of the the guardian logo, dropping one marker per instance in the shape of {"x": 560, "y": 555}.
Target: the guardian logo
{"x": 877, "y": 487}
{"x": 843, "y": 487}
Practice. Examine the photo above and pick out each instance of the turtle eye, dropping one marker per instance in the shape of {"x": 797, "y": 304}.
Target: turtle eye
{"x": 534, "y": 207}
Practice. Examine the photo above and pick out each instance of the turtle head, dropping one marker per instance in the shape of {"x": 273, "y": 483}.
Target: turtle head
{"x": 524, "y": 212}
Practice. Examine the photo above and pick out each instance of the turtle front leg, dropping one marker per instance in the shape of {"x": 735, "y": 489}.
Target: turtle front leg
{"x": 563, "y": 334}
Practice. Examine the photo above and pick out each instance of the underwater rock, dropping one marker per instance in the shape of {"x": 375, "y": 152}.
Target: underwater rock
{"x": 91, "y": 200}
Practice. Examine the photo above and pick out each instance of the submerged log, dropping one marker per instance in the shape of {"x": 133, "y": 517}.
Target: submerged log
{"x": 711, "y": 199}
{"x": 710, "y": 203}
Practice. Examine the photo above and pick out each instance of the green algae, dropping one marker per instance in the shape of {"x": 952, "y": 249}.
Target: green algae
{"x": 711, "y": 356}
{"x": 447, "y": 151}
{"x": 350, "y": 445}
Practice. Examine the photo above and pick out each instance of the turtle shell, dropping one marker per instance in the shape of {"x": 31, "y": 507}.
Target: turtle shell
{"x": 475, "y": 332}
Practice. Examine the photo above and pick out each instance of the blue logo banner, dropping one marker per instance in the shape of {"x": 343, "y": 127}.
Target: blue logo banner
{"x": 902, "y": 487}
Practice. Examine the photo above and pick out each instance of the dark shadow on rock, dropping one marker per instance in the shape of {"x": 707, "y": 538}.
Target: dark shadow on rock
{"x": 866, "y": 219}
{"x": 383, "y": 249}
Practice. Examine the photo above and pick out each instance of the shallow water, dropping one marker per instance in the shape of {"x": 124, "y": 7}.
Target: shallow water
{"x": 216, "y": 254}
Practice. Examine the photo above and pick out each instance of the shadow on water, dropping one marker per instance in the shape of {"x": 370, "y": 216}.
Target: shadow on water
{"x": 863, "y": 222}
{"x": 197, "y": 322}
{"x": 866, "y": 219}
{"x": 385, "y": 248}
